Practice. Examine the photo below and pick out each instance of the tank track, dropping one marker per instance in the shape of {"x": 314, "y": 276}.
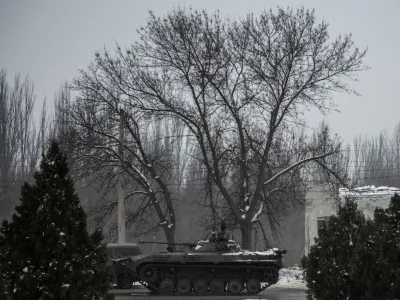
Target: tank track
{"x": 154, "y": 288}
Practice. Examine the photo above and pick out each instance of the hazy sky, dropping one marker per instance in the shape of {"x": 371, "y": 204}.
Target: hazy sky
{"x": 50, "y": 40}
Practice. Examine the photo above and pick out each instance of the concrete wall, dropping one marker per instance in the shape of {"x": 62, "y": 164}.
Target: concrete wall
{"x": 368, "y": 203}
{"x": 292, "y": 237}
{"x": 319, "y": 204}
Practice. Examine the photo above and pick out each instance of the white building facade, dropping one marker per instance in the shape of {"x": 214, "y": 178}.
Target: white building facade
{"x": 321, "y": 204}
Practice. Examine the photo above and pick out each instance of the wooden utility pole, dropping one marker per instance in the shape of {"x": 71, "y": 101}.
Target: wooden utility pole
{"x": 120, "y": 190}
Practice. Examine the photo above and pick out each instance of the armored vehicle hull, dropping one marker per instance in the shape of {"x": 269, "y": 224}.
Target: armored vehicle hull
{"x": 114, "y": 251}
{"x": 207, "y": 269}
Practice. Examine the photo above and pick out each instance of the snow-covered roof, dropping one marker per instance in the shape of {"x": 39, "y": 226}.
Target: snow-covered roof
{"x": 369, "y": 190}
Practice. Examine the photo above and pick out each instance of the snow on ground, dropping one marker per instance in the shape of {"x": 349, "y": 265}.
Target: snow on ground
{"x": 135, "y": 285}
{"x": 290, "y": 278}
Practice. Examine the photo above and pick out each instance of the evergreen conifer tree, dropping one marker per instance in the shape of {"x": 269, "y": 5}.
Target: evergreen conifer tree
{"x": 327, "y": 267}
{"x": 46, "y": 251}
{"x": 377, "y": 257}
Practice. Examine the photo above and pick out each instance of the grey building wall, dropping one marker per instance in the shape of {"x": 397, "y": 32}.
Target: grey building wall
{"x": 319, "y": 204}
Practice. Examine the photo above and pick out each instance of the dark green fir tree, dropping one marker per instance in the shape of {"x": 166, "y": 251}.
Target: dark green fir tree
{"x": 327, "y": 267}
{"x": 46, "y": 251}
{"x": 377, "y": 257}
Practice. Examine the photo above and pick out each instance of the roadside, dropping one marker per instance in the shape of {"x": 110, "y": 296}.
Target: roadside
{"x": 142, "y": 294}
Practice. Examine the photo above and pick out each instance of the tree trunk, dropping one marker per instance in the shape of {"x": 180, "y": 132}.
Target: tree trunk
{"x": 170, "y": 235}
{"x": 246, "y": 228}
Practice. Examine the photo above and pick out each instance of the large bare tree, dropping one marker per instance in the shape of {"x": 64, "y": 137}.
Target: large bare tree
{"x": 241, "y": 88}
{"x": 150, "y": 154}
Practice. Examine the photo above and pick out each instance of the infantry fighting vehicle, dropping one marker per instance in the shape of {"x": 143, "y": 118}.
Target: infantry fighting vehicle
{"x": 209, "y": 267}
{"x": 114, "y": 251}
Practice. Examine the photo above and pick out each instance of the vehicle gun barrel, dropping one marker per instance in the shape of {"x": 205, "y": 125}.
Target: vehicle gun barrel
{"x": 166, "y": 243}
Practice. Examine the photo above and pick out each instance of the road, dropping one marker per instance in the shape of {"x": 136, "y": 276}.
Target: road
{"x": 273, "y": 294}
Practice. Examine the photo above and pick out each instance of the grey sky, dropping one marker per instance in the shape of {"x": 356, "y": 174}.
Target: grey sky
{"x": 50, "y": 40}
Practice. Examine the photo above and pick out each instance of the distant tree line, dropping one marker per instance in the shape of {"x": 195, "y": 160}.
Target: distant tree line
{"x": 22, "y": 138}
{"x": 376, "y": 160}
{"x": 369, "y": 160}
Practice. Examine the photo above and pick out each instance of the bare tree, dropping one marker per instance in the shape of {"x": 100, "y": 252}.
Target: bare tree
{"x": 376, "y": 159}
{"x": 240, "y": 87}
{"x": 8, "y": 145}
{"x": 152, "y": 163}
{"x": 62, "y": 121}
{"x": 395, "y": 147}
{"x": 336, "y": 168}
{"x": 20, "y": 139}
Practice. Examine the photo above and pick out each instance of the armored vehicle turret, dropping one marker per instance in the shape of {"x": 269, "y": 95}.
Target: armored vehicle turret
{"x": 207, "y": 268}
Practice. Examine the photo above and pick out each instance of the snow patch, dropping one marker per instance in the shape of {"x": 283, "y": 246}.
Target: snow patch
{"x": 247, "y": 198}
{"x": 121, "y": 259}
{"x": 202, "y": 242}
{"x": 290, "y": 278}
{"x": 247, "y": 208}
{"x": 62, "y": 233}
{"x": 258, "y": 213}
{"x": 246, "y": 252}
{"x": 25, "y": 269}
{"x": 368, "y": 190}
